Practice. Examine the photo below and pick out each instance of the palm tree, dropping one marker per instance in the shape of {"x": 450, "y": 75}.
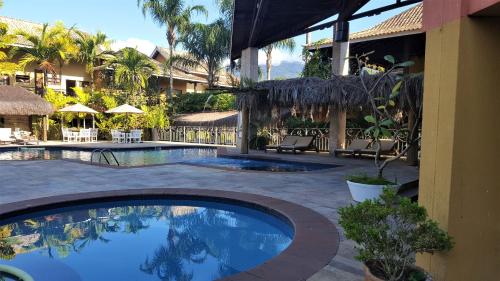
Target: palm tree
{"x": 176, "y": 17}
{"x": 132, "y": 70}
{"x": 48, "y": 49}
{"x": 5, "y": 41}
{"x": 207, "y": 47}
{"x": 93, "y": 48}
{"x": 286, "y": 44}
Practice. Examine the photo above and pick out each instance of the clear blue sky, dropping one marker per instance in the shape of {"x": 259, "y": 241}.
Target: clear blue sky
{"x": 122, "y": 20}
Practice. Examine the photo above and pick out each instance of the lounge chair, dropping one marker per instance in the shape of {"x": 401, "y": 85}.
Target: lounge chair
{"x": 25, "y": 138}
{"x": 386, "y": 148}
{"x": 6, "y": 136}
{"x": 287, "y": 140}
{"x": 354, "y": 147}
{"x": 302, "y": 144}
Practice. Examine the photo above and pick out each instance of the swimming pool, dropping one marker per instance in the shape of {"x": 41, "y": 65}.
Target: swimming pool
{"x": 206, "y": 157}
{"x": 146, "y": 240}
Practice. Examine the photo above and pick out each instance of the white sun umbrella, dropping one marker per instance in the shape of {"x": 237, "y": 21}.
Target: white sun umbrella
{"x": 80, "y": 108}
{"x": 127, "y": 109}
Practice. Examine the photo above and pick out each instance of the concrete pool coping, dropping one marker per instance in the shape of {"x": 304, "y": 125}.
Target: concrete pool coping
{"x": 315, "y": 242}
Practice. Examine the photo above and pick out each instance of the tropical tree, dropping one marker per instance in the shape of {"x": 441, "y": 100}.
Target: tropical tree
{"x": 5, "y": 41}
{"x": 286, "y": 44}
{"x": 47, "y": 50}
{"x": 93, "y": 48}
{"x": 132, "y": 71}
{"x": 176, "y": 17}
{"x": 207, "y": 47}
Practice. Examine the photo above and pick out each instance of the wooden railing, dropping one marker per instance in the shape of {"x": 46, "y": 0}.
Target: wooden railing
{"x": 227, "y": 135}
{"x": 202, "y": 135}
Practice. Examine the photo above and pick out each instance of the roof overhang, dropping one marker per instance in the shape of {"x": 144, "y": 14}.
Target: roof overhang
{"x": 258, "y": 23}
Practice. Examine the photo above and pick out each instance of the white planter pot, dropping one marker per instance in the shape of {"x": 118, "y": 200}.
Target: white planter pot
{"x": 361, "y": 192}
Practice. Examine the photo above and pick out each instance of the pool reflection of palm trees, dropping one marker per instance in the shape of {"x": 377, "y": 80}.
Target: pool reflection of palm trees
{"x": 194, "y": 235}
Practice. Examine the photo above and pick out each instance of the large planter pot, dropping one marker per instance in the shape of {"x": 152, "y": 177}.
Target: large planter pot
{"x": 370, "y": 277}
{"x": 361, "y": 192}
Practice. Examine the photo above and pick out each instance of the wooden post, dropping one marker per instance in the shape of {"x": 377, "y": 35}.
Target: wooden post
{"x": 340, "y": 66}
{"x": 45, "y": 125}
{"x": 337, "y": 130}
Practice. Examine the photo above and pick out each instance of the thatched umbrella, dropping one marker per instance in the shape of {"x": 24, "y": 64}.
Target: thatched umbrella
{"x": 80, "y": 108}
{"x": 17, "y": 101}
{"x": 127, "y": 109}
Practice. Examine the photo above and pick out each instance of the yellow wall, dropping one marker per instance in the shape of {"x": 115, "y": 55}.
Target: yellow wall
{"x": 460, "y": 171}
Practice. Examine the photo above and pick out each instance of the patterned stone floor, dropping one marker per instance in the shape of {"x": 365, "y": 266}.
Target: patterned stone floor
{"x": 323, "y": 191}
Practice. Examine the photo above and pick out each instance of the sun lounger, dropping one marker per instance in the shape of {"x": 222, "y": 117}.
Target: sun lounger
{"x": 386, "y": 148}
{"x": 288, "y": 140}
{"x": 6, "y": 136}
{"x": 354, "y": 147}
{"x": 25, "y": 138}
{"x": 302, "y": 144}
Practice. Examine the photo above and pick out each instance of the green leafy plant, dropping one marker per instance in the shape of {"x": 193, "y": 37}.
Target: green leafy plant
{"x": 382, "y": 117}
{"x": 389, "y": 232}
{"x": 316, "y": 63}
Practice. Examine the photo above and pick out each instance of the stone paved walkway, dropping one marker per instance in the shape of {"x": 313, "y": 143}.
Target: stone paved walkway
{"x": 323, "y": 191}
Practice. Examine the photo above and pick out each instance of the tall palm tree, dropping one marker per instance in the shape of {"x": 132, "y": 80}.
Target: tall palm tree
{"x": 286, "y": 44}
{"x": 93, "y": 48}
{"x": 47, "y": 51}
{"x": 176, "y": 17}
{"x": 132, "y": 70}
{"x": 207, "y": 47}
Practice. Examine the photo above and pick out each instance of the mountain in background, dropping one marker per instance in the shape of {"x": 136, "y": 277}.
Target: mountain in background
{"x": 287, "y": 69}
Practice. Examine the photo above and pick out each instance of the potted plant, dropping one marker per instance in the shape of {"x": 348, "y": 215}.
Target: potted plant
{"x": 389, "y": 231}
{"x": 384, "y": 124}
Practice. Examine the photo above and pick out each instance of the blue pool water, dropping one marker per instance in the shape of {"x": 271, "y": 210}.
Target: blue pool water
{"x": 142, "y": 240}
{"x": 194, "y": 156}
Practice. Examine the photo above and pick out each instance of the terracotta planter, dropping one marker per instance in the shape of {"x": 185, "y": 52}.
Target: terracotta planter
{"x": 370, "y": 277}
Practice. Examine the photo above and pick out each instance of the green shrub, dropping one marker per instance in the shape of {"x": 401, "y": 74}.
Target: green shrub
{"x": 259, "y": 142}
{"x": 389, "y": 231}
{"x": 209, "y": 101}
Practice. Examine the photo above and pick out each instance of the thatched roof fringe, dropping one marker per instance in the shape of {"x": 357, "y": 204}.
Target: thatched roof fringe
{"x": 341, "y": 92}
{"x": 16, "y": 100}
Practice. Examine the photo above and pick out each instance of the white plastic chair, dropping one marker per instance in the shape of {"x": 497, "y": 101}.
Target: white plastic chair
{"x": 117, "y": 136}
{"x": 136, "y": 136}
{"x": 84, "y": 135}
{"x": 93, "y": 135}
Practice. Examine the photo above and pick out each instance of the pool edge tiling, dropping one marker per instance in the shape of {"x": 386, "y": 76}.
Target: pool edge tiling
{"x": 314, "y": 245}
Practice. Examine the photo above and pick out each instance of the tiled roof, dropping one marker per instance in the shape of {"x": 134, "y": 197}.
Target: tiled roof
{"x": 408, "y": 21}
{"x": 24, "y": 25}
{"x": 15, "y": 25}
{"x": 198, "y": 74}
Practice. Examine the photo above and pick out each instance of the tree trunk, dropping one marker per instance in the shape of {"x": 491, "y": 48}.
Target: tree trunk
{"x": 171, "y": 73}
{"x": 45, "y": 82}
{"x": 269, "y": 61}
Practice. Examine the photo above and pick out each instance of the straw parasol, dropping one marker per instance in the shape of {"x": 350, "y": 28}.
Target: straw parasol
{"x": 126, "y": 109}
{"x": 80, "y": 108}
{"x": 18, "y": 101}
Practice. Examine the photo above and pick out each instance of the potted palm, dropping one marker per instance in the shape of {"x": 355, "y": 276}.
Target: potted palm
{"x": 384, "y": 124}
{"x": 389, "y": 231}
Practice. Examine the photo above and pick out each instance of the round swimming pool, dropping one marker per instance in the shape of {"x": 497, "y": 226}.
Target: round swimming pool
{"x": 153, "y": 239}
